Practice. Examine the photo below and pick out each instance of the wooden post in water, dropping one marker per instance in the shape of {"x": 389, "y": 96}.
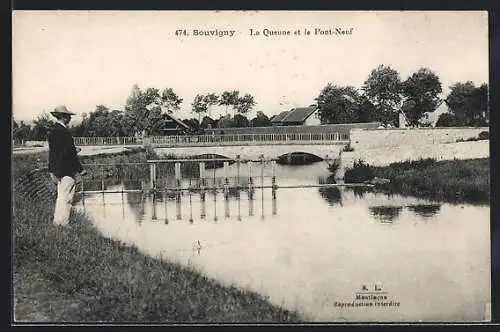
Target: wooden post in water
{"x": 152, "y": 175}
{"x": 250, "y": 181}
{"x": 273, "y": 179}
{"x": 226, "y": 180}
{"x": 238, "y": 164}
{"x": 202, "y": 181}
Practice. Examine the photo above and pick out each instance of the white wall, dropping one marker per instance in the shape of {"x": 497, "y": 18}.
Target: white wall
{"x": 386, "y": 138}
{"x": 313, "y": 119}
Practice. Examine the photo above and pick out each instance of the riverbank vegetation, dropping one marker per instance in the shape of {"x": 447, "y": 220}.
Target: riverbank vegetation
{"x": 76, "y": 275}
{"x": 456, "y": 181}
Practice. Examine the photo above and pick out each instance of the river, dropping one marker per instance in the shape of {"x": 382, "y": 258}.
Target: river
{"x": 333, "y": 254}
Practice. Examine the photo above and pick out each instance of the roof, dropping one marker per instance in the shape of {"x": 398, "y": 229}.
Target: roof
{"x": 279, "y": 117}
{"x": 179, "y": 122}
{"x": 299, "y": 114}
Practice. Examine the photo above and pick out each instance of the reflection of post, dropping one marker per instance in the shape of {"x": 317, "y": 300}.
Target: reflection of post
{"x": 226, "y": 181}
{"x": 165, "y": 200}
{"x": 274, "y": 203}
{"x": 153, "y": 207}
{"x": 190, "y": 209}
{"x": 215, "y": 205}
{"x": 203, "y": 207}
{"x": 226, "y": 207}
{"x": 202, "y": 189}
{"x": 178, "y": 190}
{"x": 239, "y": 207}
{"x": 178, "y": 175}
{"x": 250, "y": 206}
{"x": 178, "y": 206}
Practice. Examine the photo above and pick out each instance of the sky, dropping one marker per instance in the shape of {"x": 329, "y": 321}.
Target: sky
{"x": 85, "y": 58}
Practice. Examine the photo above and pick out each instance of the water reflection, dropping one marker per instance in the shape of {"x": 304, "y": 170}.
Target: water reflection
{"x": 361, "y": 191}
{"x": 332, "y": 195}
{"x": 385, "y": 214}
{"x": 425, "y": 210}
{"x": 305, "y": 256}
{"x": 191, "y": 206}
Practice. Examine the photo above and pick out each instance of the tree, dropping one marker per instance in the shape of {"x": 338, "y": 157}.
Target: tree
{"x": 170, "y": 100}
{"x": 420, "y": 92}
{"x": 21, "y": 131}
{"x": 240, "y": 121}
{"x": 338, "y": 104}
{"x": 208, "y": 122}
{"x": 447, "y": 119}
{"x": 245, "y": 104}
{"x": 143, "y": 110}
{"x": 199, "y": 105}
{"x": 383, "y": 90}
{"x": 41, "y": 127}
{"x": 225, "y": 122}
{"x": 366, "y": 111}
{"x": 193, "y": 123}
{"x": 469, "y": 104}
{"x": 211, "y": 99}
{"x": 260, "y": 120}
{"x": 229, "y": 98}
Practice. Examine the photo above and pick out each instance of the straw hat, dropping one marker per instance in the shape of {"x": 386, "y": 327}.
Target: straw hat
{"x": 59, "y": 110}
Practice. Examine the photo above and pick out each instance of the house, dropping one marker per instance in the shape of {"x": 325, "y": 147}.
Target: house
{"x": 300, "y": 116}
{"x": 429, "y": 118}
{"x": 174, "y": 126}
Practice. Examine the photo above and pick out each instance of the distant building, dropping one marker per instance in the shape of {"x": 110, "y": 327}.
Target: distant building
{"x": 432, "y": 117}
{"x": 300, "y": 116}
{"x": 174, "y": 126}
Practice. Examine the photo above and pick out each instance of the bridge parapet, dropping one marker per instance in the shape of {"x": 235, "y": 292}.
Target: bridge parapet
{"x": 216, "y": 140}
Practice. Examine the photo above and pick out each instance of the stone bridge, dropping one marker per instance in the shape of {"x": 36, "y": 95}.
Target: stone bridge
{"x": 322, "y": 150}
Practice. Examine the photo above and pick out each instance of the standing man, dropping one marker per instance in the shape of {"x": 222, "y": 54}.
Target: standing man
{"x": 63, "y": 164}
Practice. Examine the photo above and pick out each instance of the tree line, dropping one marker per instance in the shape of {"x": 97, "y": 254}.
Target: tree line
{"x": 383, "y": 97}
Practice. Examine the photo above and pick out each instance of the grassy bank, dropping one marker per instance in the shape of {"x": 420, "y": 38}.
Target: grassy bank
{"x": 455, "y": 181}
{"x": 74, "y": 274}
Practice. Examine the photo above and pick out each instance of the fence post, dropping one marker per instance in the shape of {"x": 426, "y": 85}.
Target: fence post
{"x": 152, "y": 175}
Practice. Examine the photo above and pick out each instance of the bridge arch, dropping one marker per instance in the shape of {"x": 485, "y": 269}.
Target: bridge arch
{"x": 255, "y": 151}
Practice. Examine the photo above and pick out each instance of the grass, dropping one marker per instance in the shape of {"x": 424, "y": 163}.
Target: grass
{"x": 76, "y": 275}
{"x": 455, "y": 181}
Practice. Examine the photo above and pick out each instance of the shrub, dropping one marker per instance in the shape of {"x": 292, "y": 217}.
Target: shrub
{"x": 360, "y": 172}
{"x": 348, "y": 148}
{"x": 334, "y": 166}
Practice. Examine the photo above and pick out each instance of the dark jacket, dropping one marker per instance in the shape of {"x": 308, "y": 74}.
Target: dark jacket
{"x": 63, "y": 160}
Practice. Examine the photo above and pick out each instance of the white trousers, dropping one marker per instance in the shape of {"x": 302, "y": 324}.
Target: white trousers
{"x": 64, "y": 201}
